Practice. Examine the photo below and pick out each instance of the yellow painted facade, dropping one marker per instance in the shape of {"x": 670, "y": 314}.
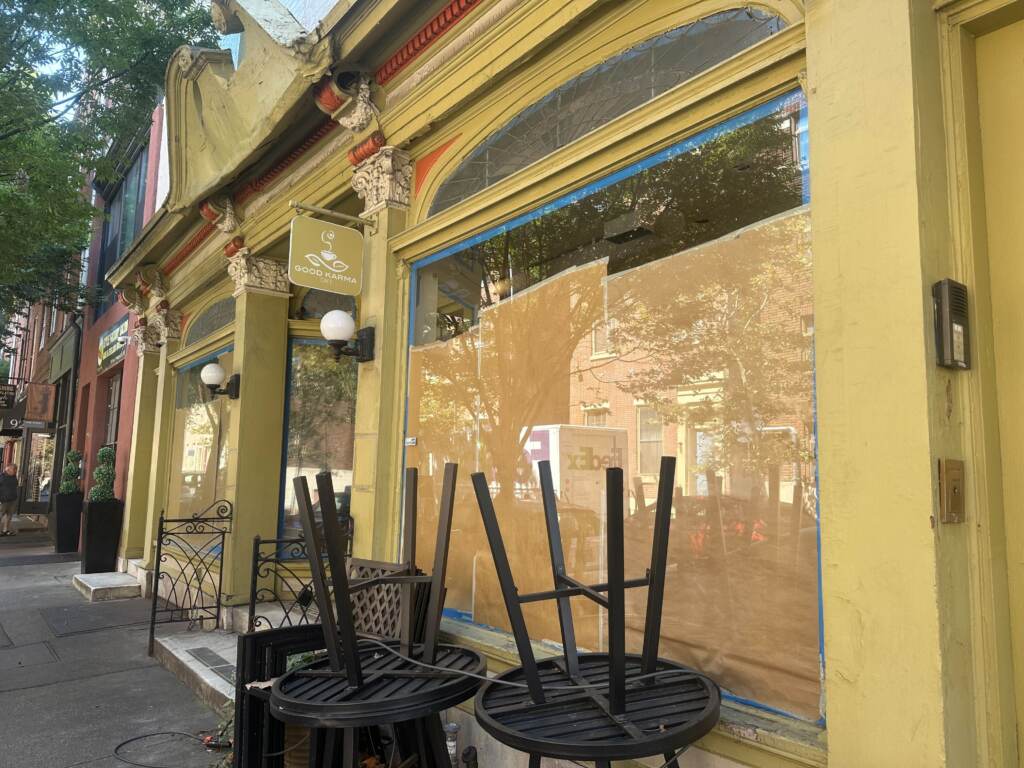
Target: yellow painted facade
{"x": 908, "y": 104}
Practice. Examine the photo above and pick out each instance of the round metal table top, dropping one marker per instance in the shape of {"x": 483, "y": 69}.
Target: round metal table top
{"x": 663, "y": 713}
{"x": 394, "y": 689}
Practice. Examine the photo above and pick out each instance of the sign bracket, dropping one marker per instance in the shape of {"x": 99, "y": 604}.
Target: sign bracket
{"x": 335, "y": 215}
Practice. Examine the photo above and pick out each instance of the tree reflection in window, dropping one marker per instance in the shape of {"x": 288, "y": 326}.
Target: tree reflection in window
{"x": 604, "y": 92}
{"x": 321, "y": 421}
{"x": 696, "y": 262}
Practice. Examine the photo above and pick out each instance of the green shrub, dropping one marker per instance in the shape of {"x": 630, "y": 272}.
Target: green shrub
{"x": 71, "y": 473}
{"x": 103, "y": 475}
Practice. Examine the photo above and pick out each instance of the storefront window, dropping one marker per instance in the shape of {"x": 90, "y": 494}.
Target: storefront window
{"x": 39, "y": 480}
{"x": 321, "y": 405}
{"x": 603, "y": 93}
{"x": 697, "y": 262}
{"x": 199, "y": 454}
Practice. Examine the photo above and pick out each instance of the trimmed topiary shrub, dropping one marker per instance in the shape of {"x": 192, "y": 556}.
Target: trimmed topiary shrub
{"x": 71, "y": 473}
{"x": 103, "y": 475}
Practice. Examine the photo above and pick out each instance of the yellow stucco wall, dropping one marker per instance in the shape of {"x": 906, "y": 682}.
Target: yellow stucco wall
{"x": 908, "y": 679}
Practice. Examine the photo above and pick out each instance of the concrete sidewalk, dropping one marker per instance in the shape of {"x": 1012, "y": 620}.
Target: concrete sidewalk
{"x": 75, "y": 683}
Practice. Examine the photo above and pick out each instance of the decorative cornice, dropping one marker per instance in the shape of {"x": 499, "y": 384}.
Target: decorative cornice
{"x": 234, "y": 246}
{"x": 477, "y": 27}
{"x": 357, "y": 114}
{"x": 131, "y": 297}
{"x": 189, "y": 248}
{"x": 429, "y": 34}
{"x": 152, "y": 279}
{"x": 255, "y": 274}
{"x": 260, "y": 183}
{"x": 328, "y": 95}
{"x": 366, "y": 149}
{"x": 252, "y": 188}
{"x": 383, "y": 181}
{"x": 220, "y": 212}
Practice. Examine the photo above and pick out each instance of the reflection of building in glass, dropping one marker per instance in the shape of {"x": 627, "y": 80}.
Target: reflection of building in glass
{"x": 663, "y": 314}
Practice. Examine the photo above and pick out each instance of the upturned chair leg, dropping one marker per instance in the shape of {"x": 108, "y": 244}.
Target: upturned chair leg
{"x": 350, "y": 745}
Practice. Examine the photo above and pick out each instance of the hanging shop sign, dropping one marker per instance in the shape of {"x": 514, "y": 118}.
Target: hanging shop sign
{"x": 113, "y": 344}
{"x": 39, "y": 402}
{"x": 11, "y": 420}
{"x": 8, "y": 394}
{"x": 325, "y": 256}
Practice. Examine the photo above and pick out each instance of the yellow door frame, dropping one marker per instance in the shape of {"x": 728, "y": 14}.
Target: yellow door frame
{"x": 992, "y": 586}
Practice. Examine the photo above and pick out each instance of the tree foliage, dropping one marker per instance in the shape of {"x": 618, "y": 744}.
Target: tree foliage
{"x": 78, "y": 82}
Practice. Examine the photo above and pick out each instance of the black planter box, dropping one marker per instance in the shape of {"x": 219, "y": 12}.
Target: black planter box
{"x": 101, "y": 533}
{"x": 67, "y": 522}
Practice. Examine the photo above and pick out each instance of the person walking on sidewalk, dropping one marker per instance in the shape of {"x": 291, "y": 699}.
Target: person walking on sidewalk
{"x": 8, "y": 498}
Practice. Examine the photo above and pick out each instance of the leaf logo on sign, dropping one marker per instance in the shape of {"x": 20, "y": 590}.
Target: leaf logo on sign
{"x": 327, "y": 258}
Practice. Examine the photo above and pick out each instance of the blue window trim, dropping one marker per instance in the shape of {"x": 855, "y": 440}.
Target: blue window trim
{"x": 746, "y": 118}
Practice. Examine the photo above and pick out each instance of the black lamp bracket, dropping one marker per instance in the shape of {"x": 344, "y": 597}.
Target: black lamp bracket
{"x": 232, "y": 389}
{"x": 361, "y": 347}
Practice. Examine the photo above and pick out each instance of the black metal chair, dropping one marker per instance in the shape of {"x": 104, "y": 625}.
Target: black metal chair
{"x": 366, "y": 682}
{"x": 594, "y": 706}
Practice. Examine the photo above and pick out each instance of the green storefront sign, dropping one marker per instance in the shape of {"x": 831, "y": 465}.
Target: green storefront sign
{"x": 113, "y": 344}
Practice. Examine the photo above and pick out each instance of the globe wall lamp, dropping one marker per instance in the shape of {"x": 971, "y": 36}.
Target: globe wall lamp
{"x": 213, "y": 376}
{"x": 339, "y": 328}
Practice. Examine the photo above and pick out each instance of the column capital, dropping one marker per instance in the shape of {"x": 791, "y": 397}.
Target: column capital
{"x": 384, "y": 181}
{"x": 146, "y": 338}
{"x": 256, "y": 274}
{"x": 167, "y": 321}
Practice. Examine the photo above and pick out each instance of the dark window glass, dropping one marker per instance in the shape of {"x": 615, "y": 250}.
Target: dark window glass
{"x": 316, "y": 304}
{"x": 124, "y": 215}
{"x": 113, "y": 407}
{"x": 213, "y": 318}
{"x": 603, "y": 93}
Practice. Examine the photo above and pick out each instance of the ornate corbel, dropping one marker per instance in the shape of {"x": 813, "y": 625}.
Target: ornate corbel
{"x": 255, "y": 274}
{"x": 145, "y": 337}
{"x": 151, "y": 278}
{"x": 220, "y": 212}
{"x": 384, "y": 181}
{"x": 131, "y": 297}
{"x": 168, "y": 321}
{"x": 351, "y": 108}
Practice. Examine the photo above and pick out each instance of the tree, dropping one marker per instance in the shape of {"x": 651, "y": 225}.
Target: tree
{"x": 723, "y": 319}
{"x": 78, "y": 81}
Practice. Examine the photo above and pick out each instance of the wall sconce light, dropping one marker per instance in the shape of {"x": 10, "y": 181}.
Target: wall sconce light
{"x": 213, "y": 375}
{"x": 338, "y": 328}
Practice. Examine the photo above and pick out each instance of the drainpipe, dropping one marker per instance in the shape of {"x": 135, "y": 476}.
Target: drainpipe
{"x": 74, "y": 379}
{"x": 72, "y": 396}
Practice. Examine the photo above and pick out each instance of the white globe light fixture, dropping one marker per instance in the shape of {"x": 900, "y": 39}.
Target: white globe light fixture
{"x": 339, "y": 328}
{"x": 337, "y": 325}
{"x": 213, "y": 376}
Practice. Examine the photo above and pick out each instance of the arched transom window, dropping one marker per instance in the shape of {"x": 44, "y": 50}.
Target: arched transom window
{"x": 211, "y": 319}
{"x": 604, "y": 92}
